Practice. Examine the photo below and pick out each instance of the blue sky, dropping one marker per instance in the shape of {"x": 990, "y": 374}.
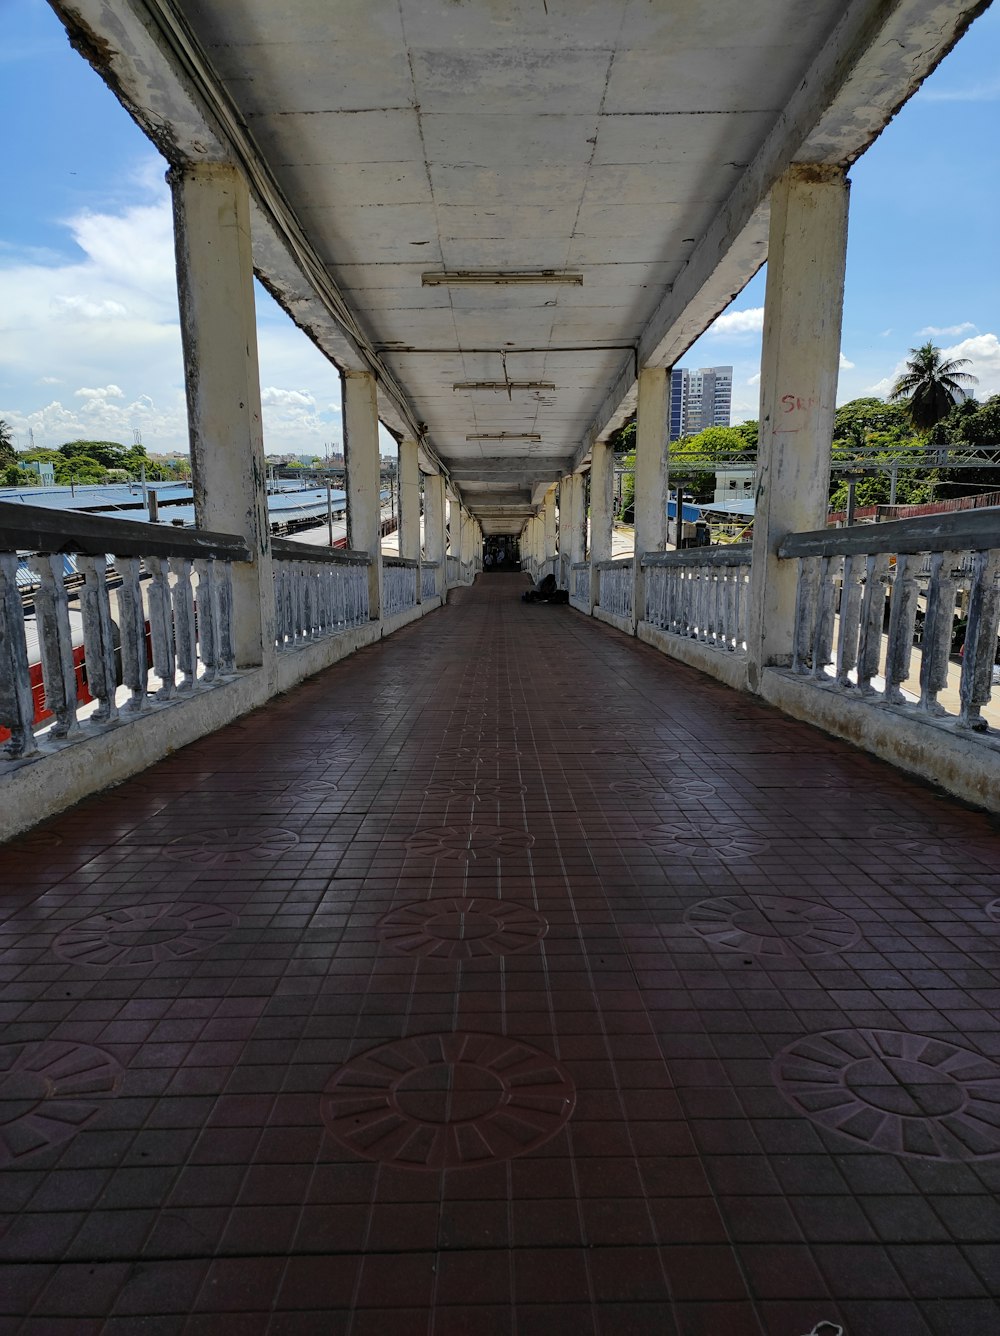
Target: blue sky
{"x": 89, "y": 344}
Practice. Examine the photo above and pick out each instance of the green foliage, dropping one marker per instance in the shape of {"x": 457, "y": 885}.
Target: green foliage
{"x": 7, "y": 452}
{"x": 13, "y": 475}
{"x": 622, "y": 441}
{"x": 109, "y": 453}
{"x": 870, "y": 415}
{"x": 930, "y": 386}
{"x": 750, "y": 431}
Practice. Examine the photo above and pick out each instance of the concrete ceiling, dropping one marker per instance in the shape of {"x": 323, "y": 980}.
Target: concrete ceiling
{"x": 630, "y": 142}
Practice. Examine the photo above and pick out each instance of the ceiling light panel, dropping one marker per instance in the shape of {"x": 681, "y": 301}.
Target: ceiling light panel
{"x": 469, "y": 277}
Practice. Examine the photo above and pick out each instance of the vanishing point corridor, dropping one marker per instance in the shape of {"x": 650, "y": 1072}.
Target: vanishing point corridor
{"x": 506, "y": 977}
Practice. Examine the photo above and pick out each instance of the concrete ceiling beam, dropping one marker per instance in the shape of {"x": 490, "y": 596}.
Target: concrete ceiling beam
{"x": 874, "y": 60}
{"x": 157, "y": 71}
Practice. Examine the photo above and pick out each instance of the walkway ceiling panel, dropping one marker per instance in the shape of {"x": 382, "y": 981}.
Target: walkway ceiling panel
{"x": 631, "y": 141}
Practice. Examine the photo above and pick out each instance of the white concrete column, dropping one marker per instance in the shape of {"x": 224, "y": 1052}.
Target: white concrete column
{"x": 409, "y": 500}
{"x": 650, "y": 508}
{"x": 803, "y": 304}
{"x": 435, "y": 546}
{"x": 537, "y": 544}
{"x": 602, "y": 484}
{"x": 578, "y": 516}
{"x": 219, "y": 333}
{"x": 361, "y": 460}
{"x": 550, "y": 548}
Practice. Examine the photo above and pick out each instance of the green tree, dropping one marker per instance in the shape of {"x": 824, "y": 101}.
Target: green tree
{"x": 870, "y": 415}
{"x": 930, "y": 386}
{"x": 15, "y": 475}
{"x": 7, "y": 453}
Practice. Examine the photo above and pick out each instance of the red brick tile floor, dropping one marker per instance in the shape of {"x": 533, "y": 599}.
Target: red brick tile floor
{"x": 508, "y": 977}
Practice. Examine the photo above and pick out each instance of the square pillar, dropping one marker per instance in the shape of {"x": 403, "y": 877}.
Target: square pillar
{"x": 435, "y": 543}
{"x": 578, "y": 518}
{"x": 803, "y": 304}
{"x": 602, "y": 501}
{"x": 550, "y": 548}
{"x": 409, "y": 500}
{"x": 222, "y": 381}
{"x": 650, "y": 509}
{"x": 361, "y": 464}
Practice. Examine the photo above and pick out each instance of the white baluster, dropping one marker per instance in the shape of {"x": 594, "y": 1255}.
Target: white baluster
{"x": 939, "y": 627}
{"x": 161, "y": 626}
{"x": 98, "y": 637}
{"x": 850, "y": 616}
{"x": 182, "y": 598}
{"x": 55, "y": 640}
{"x": 979, "y": 655}
{"x": 902, "y": 619}
{"x": 207, "y": 617}
{"x": 827, "y": 602}
{"x": 17, "y": 702}
{"x": 223, "y": 589}
{"x": 872, "y": 620}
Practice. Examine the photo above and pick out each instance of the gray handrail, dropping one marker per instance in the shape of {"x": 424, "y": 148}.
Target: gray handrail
{"x": 39, "y": 529}
{"x": 409, "y": 563}
{"x": 959, "y": 531}
{"x": 735, "y": 554}
{"x": 615, "y": 563}
{"x": 284, "y": 549}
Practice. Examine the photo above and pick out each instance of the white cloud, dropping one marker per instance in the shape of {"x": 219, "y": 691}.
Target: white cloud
{"x": 946, "y": 331}
{"x": 845, "y": 365}
{"x": 107, "y": 321}
{"x": 86, "y": 309}
{"x": 749, "y": 321}
{"x": 983, "y": 352}
{"x": 271, "y": 396}
{"x": 106, "y": 392}
{"x": 754, "y": 380}
{"x": 885, "y": 333}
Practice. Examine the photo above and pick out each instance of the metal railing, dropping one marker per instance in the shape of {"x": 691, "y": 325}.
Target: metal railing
{"x": 399, "y": 585}
{"x": 64, "y": 652}
{"x": 866, "y": 594}
{"x": 616, "y": 581}
{"x": 701, "y": 594}
{"x": 428, "y": 578}
{"x": 318, "y": 592}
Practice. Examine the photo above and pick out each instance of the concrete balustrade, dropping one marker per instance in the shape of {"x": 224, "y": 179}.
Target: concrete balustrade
{"x": 702, "y": 594}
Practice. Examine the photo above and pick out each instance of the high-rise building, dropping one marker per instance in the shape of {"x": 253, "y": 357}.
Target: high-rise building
{"x": 700, "y": 399}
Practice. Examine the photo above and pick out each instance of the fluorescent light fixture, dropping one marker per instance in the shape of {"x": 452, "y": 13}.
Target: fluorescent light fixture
{"x": 504, "y": 386}
{"x": 466, "y": 277}
{"x": 504, "y": 436}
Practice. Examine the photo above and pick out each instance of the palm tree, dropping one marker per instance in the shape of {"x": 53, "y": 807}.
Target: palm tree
{"x": 931, "y": 387}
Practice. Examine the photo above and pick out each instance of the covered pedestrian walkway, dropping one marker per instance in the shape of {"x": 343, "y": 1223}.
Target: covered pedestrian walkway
{"x": 506, "y": 977}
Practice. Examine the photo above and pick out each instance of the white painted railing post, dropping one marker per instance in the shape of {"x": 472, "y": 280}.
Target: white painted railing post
{"x": 979, "y": 656}
{"x": 17, "y": 706}
{"x": 799, "y": 367}
{"x": 98, "y": 637}
{"x": 56, "y": 644}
